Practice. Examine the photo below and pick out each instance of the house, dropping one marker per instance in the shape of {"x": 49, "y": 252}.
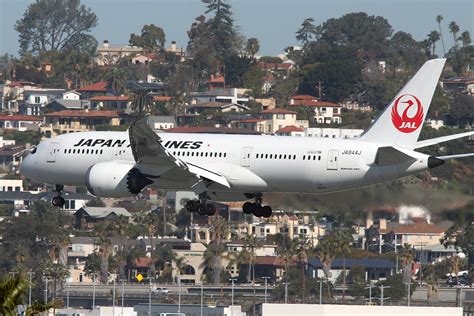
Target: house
{"x": 269, "y": 266}
{"x": 140, "y": 59}
{"x": 60, "y": 105}
{"x": 356, "y": 106}
{"x": 35, "y": 99}
{"x": 216, "y": 106}
{"x": 227, "y": 95}
{"x": 161, "y": 122}
{"x": 375, "y": 269}
{"x": 216, "y": 82}
{"x": 253, "y": 124}
{"x": 110, "y": 55}
{"x": 110, "y": 102}
{"x": 324, "y": 112}
{"x": 276, "y": 68}
{"x": 290, "y": 131}
{"x": 435, "y": 253}
{"x": 459, "y": 85}
{"x": 92, "y": 90}
{"x": 435, "y": 122}
{"x": 279, "y": 118}
{"x": 20, "y": 123}
{"x": 12, "y": 156}
{"x": 11, "y": 185}
{"x": 193, "y": 257}
{"x": 71, "y": 121}
{"x": 71, "y": 95}
{"x": 13, "y": 95}
{"x": 87, "y": 217}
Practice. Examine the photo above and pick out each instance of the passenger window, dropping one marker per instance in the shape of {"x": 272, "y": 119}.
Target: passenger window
{"x": 83, "y": 151}
{"x": 284, "y": 156}
{"x": 294, "y": 157}
{"x": 280, "y": 156}
{"x": 303, "y": 157}
{"x": 266, "y": 156}
{"x": 271, "y": 156}
{"x": 319, "y": 157}
{"x": 225, "y": 155}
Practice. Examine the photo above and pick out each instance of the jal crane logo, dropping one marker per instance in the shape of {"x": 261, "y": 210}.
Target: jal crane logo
{"x": 412, "y": 116}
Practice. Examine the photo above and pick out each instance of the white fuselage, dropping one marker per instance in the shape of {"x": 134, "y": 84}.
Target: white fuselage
{"x": 249, "y": 163}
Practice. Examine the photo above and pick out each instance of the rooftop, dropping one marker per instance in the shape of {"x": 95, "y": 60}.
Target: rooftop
{"x": 20, "y": 118}
{"x": 100, "y": 86}
{"x": 81, "y": 114}
{"x": 289, "y": 129}
{"x": 109, "y": 98}
{"x": 277, "y": 111}
{"x": 101, "y": 212}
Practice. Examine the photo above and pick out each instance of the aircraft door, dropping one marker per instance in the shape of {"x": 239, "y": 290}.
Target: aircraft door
{"x": 53, "y": 150}
{"x": 332, "y": 160}
{"x": 245, "y": 157}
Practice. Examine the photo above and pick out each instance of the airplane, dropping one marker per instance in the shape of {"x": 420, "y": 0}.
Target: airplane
{"x": 244, "y": 167}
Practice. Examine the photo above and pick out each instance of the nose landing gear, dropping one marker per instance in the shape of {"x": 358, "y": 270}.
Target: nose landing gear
{"x": 58, "y": 200}
{"x": 202, "y": 206}
{"x": 256, "y": 208}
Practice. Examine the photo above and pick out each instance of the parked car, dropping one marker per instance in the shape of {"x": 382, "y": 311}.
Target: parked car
{"x": 160, "y": 290}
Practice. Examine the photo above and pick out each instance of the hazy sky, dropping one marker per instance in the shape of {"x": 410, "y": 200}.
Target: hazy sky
{"x": 273, "y": 22}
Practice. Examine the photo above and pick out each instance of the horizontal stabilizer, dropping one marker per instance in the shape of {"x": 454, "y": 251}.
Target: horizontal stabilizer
{"x": 437, "y": 140}
{"x": 455, "y": 156}
{"x": 391, "y": 156}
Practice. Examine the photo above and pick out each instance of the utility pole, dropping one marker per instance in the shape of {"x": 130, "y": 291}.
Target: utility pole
{"x": 202, "y": 296}
{"x": 232, "y": 299}
{"x": 113, "y": 299}
{"x": 408, "y": 293}
{"x": 30, "y": 274}
{"x": 123, "y": 293}
{"x": 266, "y": 283}
{"x": 67, "y": 299}
{"x": 46, "y": 290}
{"x": 381, "y": 293}
{"x": 93, "y": 292}
{"x": 149, "y": 298}
{"x": 370, "y": 292}
{"x": 320, "y": 292}
{"x": 286, "y": 292}
{"x": 179, "y": 293}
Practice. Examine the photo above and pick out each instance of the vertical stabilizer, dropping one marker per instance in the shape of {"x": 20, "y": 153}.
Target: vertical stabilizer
{"x": 401, "y": 121}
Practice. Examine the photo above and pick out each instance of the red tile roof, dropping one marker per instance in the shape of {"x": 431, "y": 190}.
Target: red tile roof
{"x": 314, "y": 103}
{"x": 100, "y": 86}
{"x": 109, "y": 98}
{"x": 143, "y": 262}
{"x": 161, "y": 98}
{"x": 303, "y": 97}
{"x": 418, "y": 228}
{"x": 278, "y": 111}
{"x": 250, "y": 121}
{"x": 273, "y": 261}
{"x": 216, "y": 79}
{"x": 24, "y": 118}
{"x": 274, "y": 66}
{"x": 289, "y": 129}
{"x": 80, "y": 113}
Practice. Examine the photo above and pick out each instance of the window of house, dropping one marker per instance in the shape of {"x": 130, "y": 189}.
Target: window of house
{"x": 280, "y": 116}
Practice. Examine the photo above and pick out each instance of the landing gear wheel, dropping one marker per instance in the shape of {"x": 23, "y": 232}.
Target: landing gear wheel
{"x": 266, "y": 211}
{"x": 58, "y": 201}
{"x": 248, "y": 208}
{"x": 192, "y": 206}
{"x": 211, "y": 209}
{"x": 202, "y": 210}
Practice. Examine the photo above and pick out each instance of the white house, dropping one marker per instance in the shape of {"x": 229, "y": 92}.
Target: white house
{"x": 71, "y": 95}
{"x": 333, "y": 132}
{"x": 276, "y": 119}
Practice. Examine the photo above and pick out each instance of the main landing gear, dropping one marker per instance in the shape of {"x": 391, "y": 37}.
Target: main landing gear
{"x": 202, "y": 206}
{"x": 58, "y": 200}
{"x": 256, "y": 208}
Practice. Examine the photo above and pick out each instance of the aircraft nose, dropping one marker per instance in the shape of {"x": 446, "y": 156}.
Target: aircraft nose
{"x": 28, "y": 167}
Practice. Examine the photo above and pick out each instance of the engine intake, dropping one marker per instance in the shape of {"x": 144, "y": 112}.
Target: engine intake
{"x": 115, "y": 179}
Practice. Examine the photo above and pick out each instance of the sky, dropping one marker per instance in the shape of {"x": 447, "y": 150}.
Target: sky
{"x": 273, "y": 22}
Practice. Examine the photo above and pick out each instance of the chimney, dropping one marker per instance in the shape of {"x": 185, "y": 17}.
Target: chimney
{"x": 173, "y": 46}
{"x": 369, "y": 221}
{"x": 382, "y": 223}
{"x": 105, "y": 44}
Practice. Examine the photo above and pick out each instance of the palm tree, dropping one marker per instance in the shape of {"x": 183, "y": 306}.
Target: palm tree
{"x": 120, "y": 226}
{"x": 326, "y": 254}
{"x": 212, "y": 262}
{"x": 439, "y": 18}
{"x": 342, "y": 239}
{"x": 13, "y": 291}
{"x": 302, "y": 248}
{"x": 116, "y": 79}
{"x": 180, "y": 263}
{"x": 142, "y": 101}
{"x": 103, "y": 232}
{"x": 465, "y": 38}
{"x": 251, "y": 243}
{"x": 433, "y": 37}
{"x": 219, "y": 228}
{"x": 454, "y": 28}
{"x": 406, "y": 259}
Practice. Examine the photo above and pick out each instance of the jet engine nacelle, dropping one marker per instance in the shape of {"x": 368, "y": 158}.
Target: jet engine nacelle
{"x": 115, "y": 179}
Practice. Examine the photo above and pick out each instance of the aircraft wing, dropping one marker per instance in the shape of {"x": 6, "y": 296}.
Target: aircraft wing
{"x": 155, "y": 161}
{"x": 437, "y": 140}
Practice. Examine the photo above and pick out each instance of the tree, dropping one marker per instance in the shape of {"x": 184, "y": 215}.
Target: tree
{"x": 406, "y": 259}
{"x": 116, "y": 79}
{"x": 341, "y": 241}
{"x": 326, "y": 254}
{"x": 222, "y": 27}
{"x": 151, "y": 38}
{"x": 302, "y": 248}
{"x": 54, "y": 25}
{"x": 307, "y": 31}
{"x": 13, "y": 290}
{"x": 433, "y": 37}
{"x": 465, "y": 38}
{"x": 211, "y": 263}
{"x": 454, "y": 29}
{"x": 252, "y": 47}
{"x": 142, "y": 102}
{"x": 439, "y": 18}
